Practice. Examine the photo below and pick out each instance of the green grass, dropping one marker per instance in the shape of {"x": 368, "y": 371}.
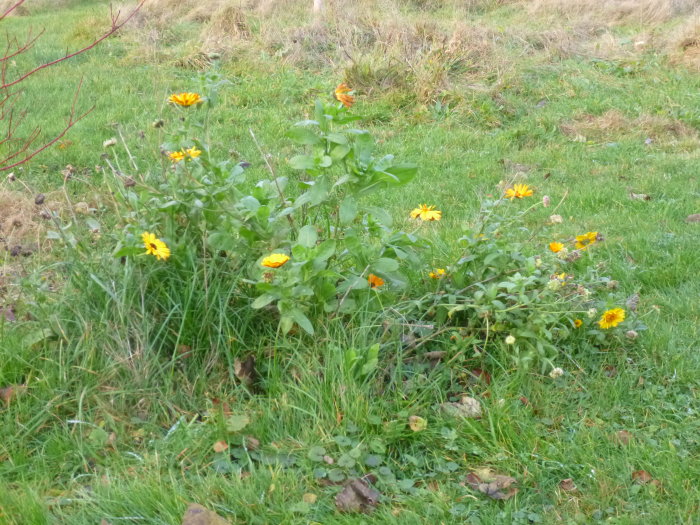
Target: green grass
{"x": 58, "y": 463}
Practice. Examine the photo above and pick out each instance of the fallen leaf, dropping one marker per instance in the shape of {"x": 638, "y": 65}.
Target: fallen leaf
{"x": 467, "y": 407}
{"x": 641, "y": 477}
{"x": 220, "y": 446}
{"x": 198, "y": 515}
{"x": 309, "y": 498}
{"x": 481, "y": 375}
{"x": 436, "y": 355}
{"x": 496, "y": 486}
{"x": 695, "y": 217}
{"x": 8, "y": 393}
{"x": 525, "y": 401}
{"x": 417, "y": 423}
{"x": 251, "y": 443}
{"x": 357, "y": 496}
{"x": 245, "y": 370}
{"x": 623, "y": 437}
{"x": 640, "y": 196}
{"x": 567, "y": 485}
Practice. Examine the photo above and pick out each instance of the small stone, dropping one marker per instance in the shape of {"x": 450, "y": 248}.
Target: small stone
{"x": 631, "y": 334}
{"x": 39, "y": 199}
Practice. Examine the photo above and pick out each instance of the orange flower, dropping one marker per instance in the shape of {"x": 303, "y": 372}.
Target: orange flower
{"x": 375, "y": 281}
{"x": 185, "y": 99}
{"x": 518, "y": 191}
{"x": 275, "y": 260}
{"x": 556, "y": 247}
{"x": 342, "y": 94}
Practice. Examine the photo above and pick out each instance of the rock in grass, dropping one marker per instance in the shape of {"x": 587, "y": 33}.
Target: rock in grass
{"x": 198, "y": 515}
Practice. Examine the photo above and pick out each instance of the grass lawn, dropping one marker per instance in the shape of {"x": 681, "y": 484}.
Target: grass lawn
{"x": 106, "y": 428}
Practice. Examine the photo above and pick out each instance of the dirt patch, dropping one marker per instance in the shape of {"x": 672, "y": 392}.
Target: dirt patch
{"x": 613, "y": 125}
{"x": 21, "y": 226}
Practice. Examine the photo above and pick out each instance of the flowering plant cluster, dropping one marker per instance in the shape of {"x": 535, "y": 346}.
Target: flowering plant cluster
{"x": 299, "y": 245}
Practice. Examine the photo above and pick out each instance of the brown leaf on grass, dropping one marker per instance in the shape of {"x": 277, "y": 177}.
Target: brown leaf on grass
{"x": 610, "y": 370}
{"x": 251, "y": 443}
{"x": 8, "y": 393}
{"x": 496, "y": 486}
{"x": 435, "y": 355}
{"x": 198, "y": 515}
{"x": 220, "y": 446}
{"x": 480, "y": 375}
{"x": 623, "y": 437}
{"x": 695, "y": 217}
{"x": 9, "y": 313}
{"x": 567, "y": 485}
{"x": 245, "y": 370}
{"x": 642, "y": 477}
{"x": 357, "y": 496}
{"x": 640, "y": 196}
{"x": 467, "y": 407}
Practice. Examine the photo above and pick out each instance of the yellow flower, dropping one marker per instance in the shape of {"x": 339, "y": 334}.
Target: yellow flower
{"x": 439, "y": 273}
{"x": 177, "y": 156}
{"x": 426, "y": 213}
{"x": 585, "y": 240}
{"x": 578, "y": 323}
{"x": 155, "y": 246}
{"x": 275, "y": 260}
{"x": 611, "y": 318}
{"x": 556, "y": 247}
{"x": 193, "y": 152}
{"x": 518, "y": 191}
{"x": 375, "y": 281}
{"x": 342, "y": 94}
{"x": 185, "y": 99}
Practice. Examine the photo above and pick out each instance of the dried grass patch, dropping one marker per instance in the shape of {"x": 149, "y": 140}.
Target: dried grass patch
{"x": 20, "y": 224}
{"x": 638, "y": 12}
{"x": 614, "y": 124}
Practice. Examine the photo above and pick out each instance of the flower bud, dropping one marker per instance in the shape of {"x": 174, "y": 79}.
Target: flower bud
{"x": 545, "y": 201}
{"x": 592, "y": 313}
{"x": 555, "y": 219}
{"x": 510, "y": 340}
{"x": 631, "y": 334}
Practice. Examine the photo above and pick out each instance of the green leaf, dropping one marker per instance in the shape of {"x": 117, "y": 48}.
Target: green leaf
{"x": 364, "y": 146}
{"x": 307, "y": 236}
{"x": 126, "y": 251}
{"x": 337, "y": 138}
{"x": 348, "y": 210}
{"x": 302, "y": 162}
{"x": 404, "y": 173}
{"x": 380, "y": 215}
{"x": 303, "y": 136}
{"x": 385, "y": 265}
{"x": 316, "y": 454}
{"x": 237, "y": 422}
{"x": 262, "y": 301}
{"x": 301, "y": 319}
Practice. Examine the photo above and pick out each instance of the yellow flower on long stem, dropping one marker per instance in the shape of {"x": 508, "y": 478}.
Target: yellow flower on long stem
{"x": 275, "y": 260}
{"x": 439, "y": 273}
{"x": 375, "y": 281}
{"x": 426, "y": 213}
{"x": 193, "y": 152}
{"x": 611, "y": 318}
{"x": 585, "y": 240}
{"x": 177, "y": 156}
{"x": 578, "y": 323}
{"x": 518, "y": 191}
{"x": 556, "y": 247}
{"x": 155, "y": 246}
{"x": 185, "y": 99}
{"x": 342, "y": 94}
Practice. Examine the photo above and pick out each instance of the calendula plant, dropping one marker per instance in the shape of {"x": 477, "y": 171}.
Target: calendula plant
{"x": 302, "y": 244}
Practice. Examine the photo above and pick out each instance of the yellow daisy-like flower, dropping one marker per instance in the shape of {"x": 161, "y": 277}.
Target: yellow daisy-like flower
{"x": 578, "y": 323}
{"x": 185, "y": 99}
{"x": 439, "y": 273}
{"x": 518, "y": 191}
{"x": 611, "y": 318}
{"x": 342, "y": 94}
{"x": 426, "y": 213}
{"x": 375, "y": 281}
{"x": 585, "y": 240}
{"x": 275, "y": 260}
{"x": 193, "y": 152}
{"x": 177, "y": 156}
{"x": 154, "y": 246}
{"x": 556, "y": 247}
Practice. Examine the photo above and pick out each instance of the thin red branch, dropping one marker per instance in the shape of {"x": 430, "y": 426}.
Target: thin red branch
{"x": 27, "y": 45}
{"x": 116, "y": 26}
{"x": 12, "y": 8}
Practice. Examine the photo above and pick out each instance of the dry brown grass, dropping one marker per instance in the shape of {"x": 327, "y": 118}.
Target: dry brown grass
{"x": 642, "y": 12}
{"x": 613, "y": 125}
